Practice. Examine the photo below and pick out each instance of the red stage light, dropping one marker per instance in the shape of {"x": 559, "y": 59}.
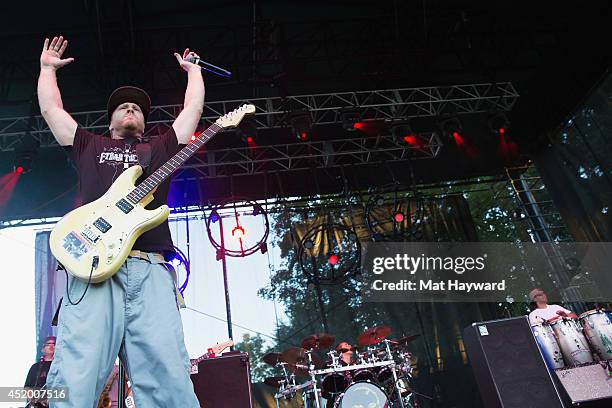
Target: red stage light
{"x": 332, "y": 259}
{"x": 249, "y": 139}
{"x": 502, "y": 131}
{"x": 456, "y": 135}
{"x": 411, "y": 139}
{"x": 303, "y": 136}
{"x": 398, "y": 216}
{"x": 19, "y": 169}
{"x": 238, "y": 232}
{"x": 358, "y": 125}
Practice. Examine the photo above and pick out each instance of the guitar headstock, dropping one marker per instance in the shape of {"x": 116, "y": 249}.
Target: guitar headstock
{"x": 219, "y": 347}
{"x": 233, "y": 118}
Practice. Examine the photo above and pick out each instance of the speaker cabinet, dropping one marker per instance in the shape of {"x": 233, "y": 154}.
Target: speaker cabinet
{"x": 509, "y": 368}
{"x": 224, "y": 382}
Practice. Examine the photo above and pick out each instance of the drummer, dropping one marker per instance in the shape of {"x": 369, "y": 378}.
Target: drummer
{"x": 544, "y": 312}
{"x": 345, "y": 351}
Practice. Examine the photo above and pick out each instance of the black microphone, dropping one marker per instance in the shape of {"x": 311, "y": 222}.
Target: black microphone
{"x": 208, "y": 67}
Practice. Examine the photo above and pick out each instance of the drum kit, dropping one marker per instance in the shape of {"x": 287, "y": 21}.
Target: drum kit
{"x": 567, "y": 342}
{"x": 380, "y": 374}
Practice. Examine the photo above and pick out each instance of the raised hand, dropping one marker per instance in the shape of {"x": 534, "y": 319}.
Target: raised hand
{"x": 186, "y": 65}
{"x": 51, "y": 56}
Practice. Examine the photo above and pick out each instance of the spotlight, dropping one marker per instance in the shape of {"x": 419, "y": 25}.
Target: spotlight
{"x": 247, "y": 130}
{"x": 379, "y": 200}
{"x": 499, "y": 123}
{"x": 403, "y": 133}
{"x": 451, "y": 127}
{"x": 332, "y": 259}
{"x": 398, "y": 216}
{"x": 257, "y": 210}
{"x": 301, "y": 124}
{"x": 23, "y": 161}
{"x": 214, "y": 216}
{"x": 351, "y": 120}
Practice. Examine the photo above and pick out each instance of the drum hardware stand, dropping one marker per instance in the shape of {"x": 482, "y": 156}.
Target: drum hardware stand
{"x": 394, "y": 372}
{"x": 313, "y": 378}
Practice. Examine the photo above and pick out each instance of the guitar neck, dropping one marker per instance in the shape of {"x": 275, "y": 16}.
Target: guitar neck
{"x": 166, "y": 170}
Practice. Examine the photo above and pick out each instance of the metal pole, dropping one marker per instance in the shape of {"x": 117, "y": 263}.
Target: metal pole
{"x": 121, "y": 384}
{"x": 228, "y": 309}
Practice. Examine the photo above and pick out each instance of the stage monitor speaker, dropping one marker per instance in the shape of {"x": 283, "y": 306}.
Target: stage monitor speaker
{"x": 224, "y": 382}
{"x": 509, "y": 368}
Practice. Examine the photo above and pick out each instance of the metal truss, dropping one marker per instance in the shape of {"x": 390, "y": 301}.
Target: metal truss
{"x": 306, "y": 155}
{"x": 273, "y": 112}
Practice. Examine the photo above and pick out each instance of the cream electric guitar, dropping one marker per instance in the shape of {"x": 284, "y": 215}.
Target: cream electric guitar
{"x": 93, "y": 241}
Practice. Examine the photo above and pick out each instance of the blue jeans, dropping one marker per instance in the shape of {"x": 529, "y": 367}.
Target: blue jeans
{"x": 134, "y": 315}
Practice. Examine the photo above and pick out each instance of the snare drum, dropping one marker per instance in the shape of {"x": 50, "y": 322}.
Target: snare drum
{"x": 547, "y": 342}
{"x": 598, "y": 331}
{"x": 574, "y": 346}
{"x": 362, "y": 394}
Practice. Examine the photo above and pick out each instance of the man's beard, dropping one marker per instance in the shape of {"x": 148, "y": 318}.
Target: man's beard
{"x": 130, "y": 129}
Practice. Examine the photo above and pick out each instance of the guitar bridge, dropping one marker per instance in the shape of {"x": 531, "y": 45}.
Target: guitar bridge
{"x": 90, "y": 235}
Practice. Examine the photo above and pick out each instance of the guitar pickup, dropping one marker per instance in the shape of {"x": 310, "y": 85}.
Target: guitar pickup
{"x": 124, "y": 206}
{"x": 102, "y": 225}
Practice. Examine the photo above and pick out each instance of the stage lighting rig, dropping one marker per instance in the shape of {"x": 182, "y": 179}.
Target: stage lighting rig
{"x": 393, "y": 217}
{"x": 301, "y": 124}
{"x": 247, "y": 131}
{"x": 351, "y": 119}
{"x": 499, "y": 123}
{"x": 328, "y": 253}
{"x": 451, "y": 127}
{"x": 233, "y": 216}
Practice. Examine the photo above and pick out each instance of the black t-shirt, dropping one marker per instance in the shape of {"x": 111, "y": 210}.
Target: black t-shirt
{"x": 37, "y": 376}
{"x": 100, "y": 160}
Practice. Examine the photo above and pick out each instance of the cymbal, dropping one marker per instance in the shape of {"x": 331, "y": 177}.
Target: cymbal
{"x": 272, "y": 358}
{"x": 373, "y": 335}
{"x": 318, "y": 341}
{"x": 274, "y": 381}
{"x": 406, "y": 339}
{"x": 297, "y": 355}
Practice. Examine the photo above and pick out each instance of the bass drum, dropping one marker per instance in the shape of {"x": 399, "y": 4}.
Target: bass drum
{"x": 362, "y": 394}
{"x": 598, "y": 331}
{"x": 333, "y": 384}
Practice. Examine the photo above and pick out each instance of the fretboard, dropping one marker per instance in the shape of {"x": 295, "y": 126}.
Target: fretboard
{"x": 166, "y": 170}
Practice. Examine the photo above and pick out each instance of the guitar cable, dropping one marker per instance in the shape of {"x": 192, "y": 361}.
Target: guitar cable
{"x": 94, "y": 263}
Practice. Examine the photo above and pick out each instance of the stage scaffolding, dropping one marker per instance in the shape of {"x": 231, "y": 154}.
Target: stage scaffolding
{"x": 273, "y": 112}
